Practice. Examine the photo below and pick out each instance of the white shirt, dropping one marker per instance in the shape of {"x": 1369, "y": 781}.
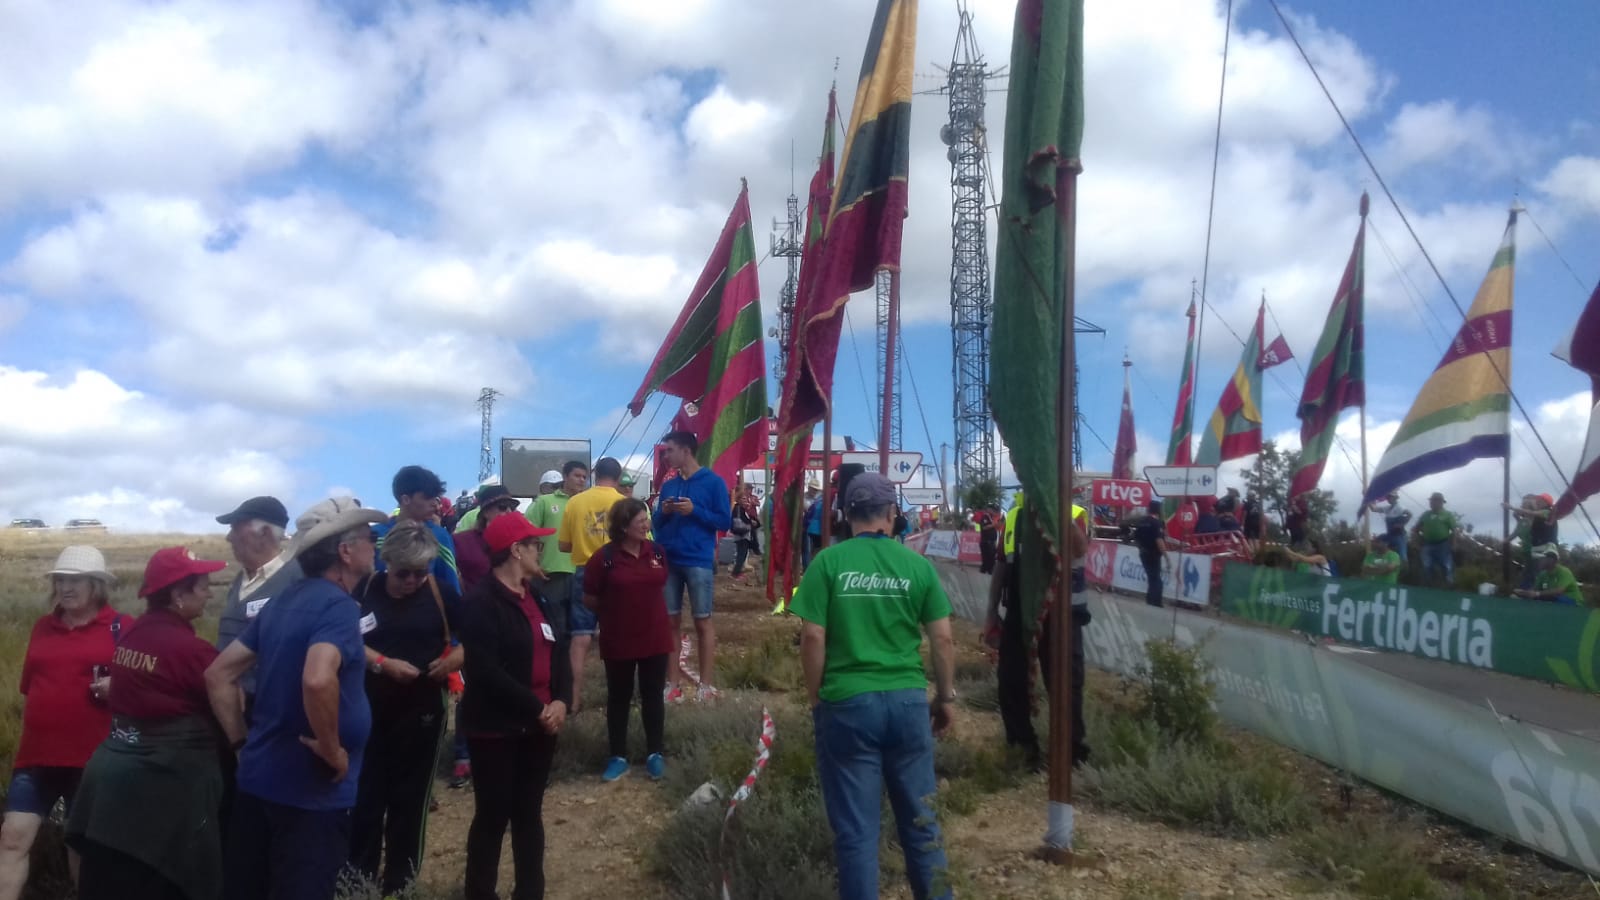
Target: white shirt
{"x": 269, "y": 569}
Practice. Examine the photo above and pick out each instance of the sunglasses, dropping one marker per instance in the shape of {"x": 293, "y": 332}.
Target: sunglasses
{"x": 409, "y": 574}
{"x": 505, "y": 506}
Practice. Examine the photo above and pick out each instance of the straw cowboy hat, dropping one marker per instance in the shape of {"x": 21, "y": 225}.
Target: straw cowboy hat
{"x": 83, "y": 562}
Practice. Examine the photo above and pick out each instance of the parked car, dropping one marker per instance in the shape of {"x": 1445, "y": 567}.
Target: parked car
{"x": 28, "y": 523}
{"x": 86, "y": 524}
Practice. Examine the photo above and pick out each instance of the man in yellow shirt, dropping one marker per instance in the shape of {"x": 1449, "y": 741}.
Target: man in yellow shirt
{"x": 582, "y": 533}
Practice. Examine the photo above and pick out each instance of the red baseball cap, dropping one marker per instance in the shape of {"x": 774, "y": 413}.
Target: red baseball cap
{"x": 171, "y": 565}
{"x": 511, "y": 528}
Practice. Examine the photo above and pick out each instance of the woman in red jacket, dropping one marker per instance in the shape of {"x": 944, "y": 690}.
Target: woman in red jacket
{"x": 623, "y": 584}
{"x": 64, "y": 714}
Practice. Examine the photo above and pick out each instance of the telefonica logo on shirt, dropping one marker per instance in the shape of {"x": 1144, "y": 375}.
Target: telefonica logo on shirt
{"x": 872, "y": 581}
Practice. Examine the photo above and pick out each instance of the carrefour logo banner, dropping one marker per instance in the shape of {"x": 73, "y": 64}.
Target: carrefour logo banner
{"x": 1545, "y": 641}
{"x": 1185, "y": 577}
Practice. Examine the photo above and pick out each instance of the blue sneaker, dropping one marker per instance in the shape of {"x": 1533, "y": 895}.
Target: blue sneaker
{"x": 615, "y": 768}
{"x": 656, "y": 766}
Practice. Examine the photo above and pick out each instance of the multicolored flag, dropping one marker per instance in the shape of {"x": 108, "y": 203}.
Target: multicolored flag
{"x": 1463, "y": 412}
{"x": 1337, "y": 380}
{"x": 794, "y": 442}
{"x": 868, "y": 211}
{"x": 1235, "y": 427}
{"x": 1179, "y": 453}
{"x": 1276, "y": 354}
{"x": 1044, "y": 136}
{"x": 1127, "y": 441}
{"x": 1581, "y": 350}
{"x": 713, "y": 357}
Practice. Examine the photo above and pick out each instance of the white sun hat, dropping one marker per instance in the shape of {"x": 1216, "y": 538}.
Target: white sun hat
{"x": 83, "y": 561}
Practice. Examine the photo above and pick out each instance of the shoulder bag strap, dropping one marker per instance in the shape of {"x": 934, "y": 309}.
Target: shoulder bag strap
{"x": 438, "y": 602}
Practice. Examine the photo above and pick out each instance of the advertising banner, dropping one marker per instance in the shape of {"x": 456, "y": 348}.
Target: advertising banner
{"x": 1182, "y": 481}
{"x": 1186, "y": 577}
{"x": 1545, "y": 641}
{"x": 943, "y": 545}
{"x": 1120, "y": 493}
{"x": 967, "y": 550}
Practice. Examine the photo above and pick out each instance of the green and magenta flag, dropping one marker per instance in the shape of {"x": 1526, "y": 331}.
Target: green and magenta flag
{"x": 1179, "y": 453}
{"x": 867, "y": 214}
{"x": 1044, "y": 136}
{"x": 1337, "y": 379}
{"x": 1581, "y": 350}
{"x": 713, "y": 357}
{"x": 1464, "y": 409}
{"x": 794, "y": 442}
{"x": 1235, "y": 427}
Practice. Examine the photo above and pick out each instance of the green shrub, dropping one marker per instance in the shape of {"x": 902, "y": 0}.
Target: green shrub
{"x": 772, "y": 665}
{"x": 1176, "y": 692}
{"x": 1372, "y": 858}
{"x": 777, "y": 850}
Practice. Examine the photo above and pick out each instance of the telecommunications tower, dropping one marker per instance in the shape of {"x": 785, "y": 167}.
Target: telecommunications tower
{"x": 485, "y": 445}
{"x": 895, "y": 434}
{"x": 788, "y": 244}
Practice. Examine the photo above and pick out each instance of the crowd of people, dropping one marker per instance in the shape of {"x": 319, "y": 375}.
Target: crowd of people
{"x": 300, "y": 748}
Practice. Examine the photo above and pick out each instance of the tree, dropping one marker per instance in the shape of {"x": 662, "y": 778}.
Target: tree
{"x": 1268, "y": 481}
{"x": 981, "y": 494}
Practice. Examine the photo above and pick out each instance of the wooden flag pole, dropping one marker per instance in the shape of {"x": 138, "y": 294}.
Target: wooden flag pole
{"x": 1059, "y": 836}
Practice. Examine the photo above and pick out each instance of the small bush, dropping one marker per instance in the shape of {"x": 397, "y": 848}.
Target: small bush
{"x": 1372, "y": 858}
{"x": 1177, "y": 692}
{"x": 777, "y": 851}
{"x": 773, "y": 665}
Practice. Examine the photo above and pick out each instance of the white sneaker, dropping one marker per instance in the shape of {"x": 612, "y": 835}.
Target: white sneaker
{"x": 709, "y": 694}
{"x": 672, "y": 694}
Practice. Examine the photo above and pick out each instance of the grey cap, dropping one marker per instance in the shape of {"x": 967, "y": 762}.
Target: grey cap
{"x": 868, "y": 490}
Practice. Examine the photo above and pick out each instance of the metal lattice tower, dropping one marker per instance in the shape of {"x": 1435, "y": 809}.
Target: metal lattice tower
{"x": 970, "y": 296}
{"x": 787, "y": 243}
{"x": 895, "y": 434}
{"x": 485, "y": 443}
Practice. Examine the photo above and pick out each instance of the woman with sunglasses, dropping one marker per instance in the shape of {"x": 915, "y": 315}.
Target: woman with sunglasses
{"x": 407, "y": 620}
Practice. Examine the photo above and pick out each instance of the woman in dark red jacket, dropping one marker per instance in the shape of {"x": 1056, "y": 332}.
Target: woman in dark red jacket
{"x": 623, "y": 585}
{"x": 519, "y": 685}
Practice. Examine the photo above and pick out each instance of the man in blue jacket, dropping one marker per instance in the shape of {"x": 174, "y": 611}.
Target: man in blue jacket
{"x": 694, "y": 506}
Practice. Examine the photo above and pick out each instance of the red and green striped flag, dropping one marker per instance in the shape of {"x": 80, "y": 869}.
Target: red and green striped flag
{"x": 1044, "y": 135}
{"x": 713, "y": 356}
{"x": 1179, "y": 453}
{"x": 1337, "y": 380}
{"x": 794, "y": 443}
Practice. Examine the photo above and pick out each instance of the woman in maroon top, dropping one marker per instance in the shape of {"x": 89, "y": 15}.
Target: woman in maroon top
{"x": 519, "y": 685}
{"x": 64, "y": 716}
{"x": 624, "y": 585}
{"x": 146, "y": 816}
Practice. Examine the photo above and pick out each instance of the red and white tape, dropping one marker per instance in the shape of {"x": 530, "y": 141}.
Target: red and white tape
{"x": 763, "y": 753}
{"x": 684, "y": 651}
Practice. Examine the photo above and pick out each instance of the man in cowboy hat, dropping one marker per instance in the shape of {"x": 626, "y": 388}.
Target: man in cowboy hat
{"x": 301, "y": 758}
{"x": 1438, "y": 528}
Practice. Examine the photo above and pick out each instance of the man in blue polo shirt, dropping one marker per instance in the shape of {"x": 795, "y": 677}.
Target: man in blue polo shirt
{"x": 416, "y": 493}
{"x": 694, "y": 506}
{"x": 300, "y": 761}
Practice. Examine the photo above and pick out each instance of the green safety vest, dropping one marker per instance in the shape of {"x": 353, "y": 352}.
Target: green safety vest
{"x": 1078, "y": 512}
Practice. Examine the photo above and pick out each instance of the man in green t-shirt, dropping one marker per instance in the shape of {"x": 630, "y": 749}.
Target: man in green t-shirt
{"x": 1553, "y": 582}
{"x": 866, "y": 603}
{"x": 1382, "y": 563}
{"x": 1438, "y": 528}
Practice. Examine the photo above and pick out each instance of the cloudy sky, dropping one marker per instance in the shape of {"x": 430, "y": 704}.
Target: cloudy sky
{"x": 278, "y": 247}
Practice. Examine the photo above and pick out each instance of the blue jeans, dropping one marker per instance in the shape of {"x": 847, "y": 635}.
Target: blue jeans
{"x": 278, "y": 852}
{"x": 580, "y": 619}
{"x": 694, "y": 579}
{"x": 864, "y": 743}
{"x": 1398, "y": 543}
{"x": 1439, "y": 557}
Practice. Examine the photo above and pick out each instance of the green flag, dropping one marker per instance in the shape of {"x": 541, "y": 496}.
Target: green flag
{"x": 1044, "y": 132}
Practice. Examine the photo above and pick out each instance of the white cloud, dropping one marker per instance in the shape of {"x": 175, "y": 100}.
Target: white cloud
{"x": 1575, "y": 183}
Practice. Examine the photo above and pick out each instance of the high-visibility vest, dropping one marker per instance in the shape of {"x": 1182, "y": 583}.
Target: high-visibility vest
{"x": 1078, "y": 513}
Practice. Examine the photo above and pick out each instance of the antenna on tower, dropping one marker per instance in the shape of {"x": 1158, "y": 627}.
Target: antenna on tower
{"x": 485, "y": 446}
{"x": 787, "y": 243}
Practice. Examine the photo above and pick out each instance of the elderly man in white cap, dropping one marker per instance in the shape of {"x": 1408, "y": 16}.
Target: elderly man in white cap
{"x": 301, "y": 759}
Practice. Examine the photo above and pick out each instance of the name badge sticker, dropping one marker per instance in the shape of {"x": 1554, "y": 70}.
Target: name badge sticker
{"x": 549, "y": 635}
{"x": 369, "y": 622}
{"x": 254, "y": 607}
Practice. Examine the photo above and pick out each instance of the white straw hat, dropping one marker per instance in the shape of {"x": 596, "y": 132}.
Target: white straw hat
{"x": 82, "y": 561}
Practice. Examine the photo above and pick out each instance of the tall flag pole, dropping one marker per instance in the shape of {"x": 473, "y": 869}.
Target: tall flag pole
{"x": 1032, "y": 352}
{"x": 1127, "y": 441}
{"x": 1179, "y": 451}
{"x": 713, "y": 357}
{"x": 1463, "y": 411}
{"x": 1581, "y": 350}
{"x": 794, "y": 441}
{"x": 1235, "y": 427}
{"x": 1337, "y": 379}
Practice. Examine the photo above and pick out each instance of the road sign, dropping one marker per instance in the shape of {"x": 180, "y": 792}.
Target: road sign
{"x": 901, "y": 465}
{"x": 1182, "y": 481}
{"x": 923, "y": 496}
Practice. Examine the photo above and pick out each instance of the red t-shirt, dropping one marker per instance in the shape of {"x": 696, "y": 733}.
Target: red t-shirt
{"x": 61, "y": 721}
{"x": 158, "y": 671}
{"x": 632, "y": 614}
{"x": 542, "y": 647}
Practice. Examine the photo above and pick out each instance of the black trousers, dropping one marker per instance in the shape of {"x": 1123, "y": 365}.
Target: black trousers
{"x": 986, "y": 557}
{"x": 1016, "y": 680}
{"x": 652, "y": 672}
{"x": 1152, "y": 578}
{"x": 107, "y": 874}
{"x": 278, "y": 852}
{"x": 392, "y": 797}
{"x": 509, "y": 777}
